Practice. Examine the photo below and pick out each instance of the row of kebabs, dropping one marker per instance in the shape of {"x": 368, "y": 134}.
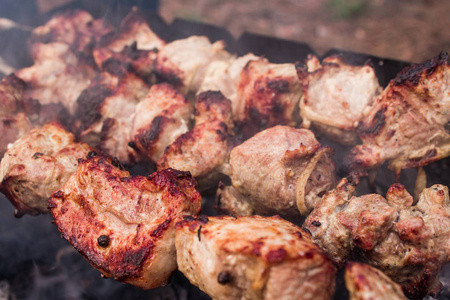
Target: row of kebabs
{"x": 280, "y": 170}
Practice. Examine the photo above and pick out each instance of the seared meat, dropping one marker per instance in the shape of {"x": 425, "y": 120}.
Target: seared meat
{"x": 57, "y": 75}
{"x": 281, "y": 170}
{"x": 335, "y": 95}
{"x": 203, "y": 150}
{"x": 123, "y": 225}
{"x": 408, "y": 243}
{"x": 408, "y": 124}
{"x": 184, "y": 63}
{"x": 76, "y": 28}
{"x": 367, "y": 283}
{"x": 159, "y": 120}
{"x": 268, "y": 95}
{"x": 252, "y": 258}
{"x": 36, "y": 165}
{"x": 105, "y": 109}
{"x": 224, "y": 76}
{"x": 132, "y": 29}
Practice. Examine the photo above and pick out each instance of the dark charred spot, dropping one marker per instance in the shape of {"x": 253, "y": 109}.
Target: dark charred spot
{"x": 430, "y": 154}
{"x": 299, "y": 234}
{"x": 189, "y": 218}
{"x": 52, "y": 205}
{"x": 116, "y": 163}
{"x": 224, "y": 277}
{"x": 307, "y": 231}
{"x": 309, "y": 255}
{"x": 377, "y": 123}
{"x": 58, "y": 194}
{"x": 132, "y": 51}
{"x": 210, "y": 98}
{"x": 280, "y": 86}
{"x": 103, "y": 241}
{"x": 132, "y": 145}
{"x": 316, "y": 223}
{"x": 37, "y": 155}
{"x": 161, "y": 228}
{"x": 91, "y": 154}
{"x": 89, "y": 103}
{"x": 412, "y": 74}
{"x": 116, "y": 67}
{"x": 199, "y": 233}
{"x": 150, "y": 136}
{"x": 203, "y": 219}
{"x": 276, "y": 256}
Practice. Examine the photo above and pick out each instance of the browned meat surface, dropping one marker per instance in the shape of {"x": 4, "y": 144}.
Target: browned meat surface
{"x": 124, "y": 225}
{"x": 204, "y": 150}
{"x": 105, "y": 110}
{"x": 268, "y": 95}
{"x": 38, "y": 164}
{"x": 159, "y": 120}
{"x": 408, "y": 124}
{"x": 281, "y": 170}
{"x": 335, "y": 95}
{"x": 408, "y": 243}
{"x": 132, "y": 29}
{"x": 76, "y": 28}
{"x": 184, "y": 62}
{"x": 367, "y": 283}
{"x": 57, "y": 75}
{"x": 252, "y": 258}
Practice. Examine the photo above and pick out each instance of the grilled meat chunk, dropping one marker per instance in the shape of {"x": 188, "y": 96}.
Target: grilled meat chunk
{"x": 38, "y": 164}
{"x": 335, "y": 95}
{"x": 123, "y": 225}
{"x": 366, "y": 283}
{"x": 408, "y": 243}
{"x": 204, "y": 150}
{"x": 159, "y": 120}
{"x": 268, "y": 95}
{"x": 183, "y": 63}
{"x": 105, "y": 109}
{"x": 281, "y": 170}
{"x": 252, "y": 258}
{"x": 57, "y": 75}
{"x": 408, "y": 124}
{"x": 132, "y": 30}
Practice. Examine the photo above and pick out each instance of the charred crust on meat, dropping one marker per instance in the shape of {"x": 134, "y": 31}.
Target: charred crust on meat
{"x": 161, "y": 228}
{"x": 224, "y": 278}
{"x": 37, "y": 155}
{"x": 90, "y": 102}
{"x": 116, "y": 163}
{"x": 91, "y": 154}
{"x": 148, "y": 137}
{"x": 377, "y": 124}
{"x": 279, "y": 85}
{"x": 103, "y": 241}
{"x": 199, "y": 232}
{"x": 58, "y": 194}
{"x": 316, "y": 223}
{"x": 210, "y": 98}
{"x": 411, "y": 75}
{"x": 307, "y": 230}
{"x": 117, "y": 67}
{"x": 132, "y": 145}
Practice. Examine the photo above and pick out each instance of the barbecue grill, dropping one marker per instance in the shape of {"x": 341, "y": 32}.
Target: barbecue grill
{"x": 35, "y": 263}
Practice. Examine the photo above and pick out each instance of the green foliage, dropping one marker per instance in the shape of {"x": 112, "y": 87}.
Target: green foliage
{"x": 347, "y": 8}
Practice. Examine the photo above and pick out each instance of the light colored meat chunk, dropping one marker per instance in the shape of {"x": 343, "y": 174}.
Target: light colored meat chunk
{"x": 281, "y": 170}
{"x": 252, "y": 258}
{"x": 38, "y": 164}
{"x": 367, "y": 283}
{"x": 335, "y": 95}
{"x": 408, "y": 124}
{"x": 124, "y": 225}
{"x": 160, "y": 119}
{"x": 268, "y": 95}
{"x": 184, "y": 63}
{"x": 204, "y": 150}
{"x": 408, "y": 243}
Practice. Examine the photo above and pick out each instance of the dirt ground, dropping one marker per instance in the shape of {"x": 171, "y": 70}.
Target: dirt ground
{"x": 409, "y": 30}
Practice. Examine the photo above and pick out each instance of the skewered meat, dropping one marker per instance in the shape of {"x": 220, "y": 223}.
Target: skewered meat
{"x": 159, "y": 120}
{"x": 224, "y": 76}
{"x": 408, "y": 125}
{"x": 204, "y": 150}
{"x": 124, "y": 225}
{"x": 183, "y": 63}
{"x": 408, "y": 243}
{"x": 57, "y": 75}
{"x": 76, "y": 28}
{"x": 281, "y": 170}
{"x": 268, "y": 95}
{"x": 366, "y": 283}
{"x": 335, "y": 95}
{"x": 252, "y": 258}
{"x": 36, "y": 165}
{"x": 132, "y": 29}
{"x": 104, "y": 110}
